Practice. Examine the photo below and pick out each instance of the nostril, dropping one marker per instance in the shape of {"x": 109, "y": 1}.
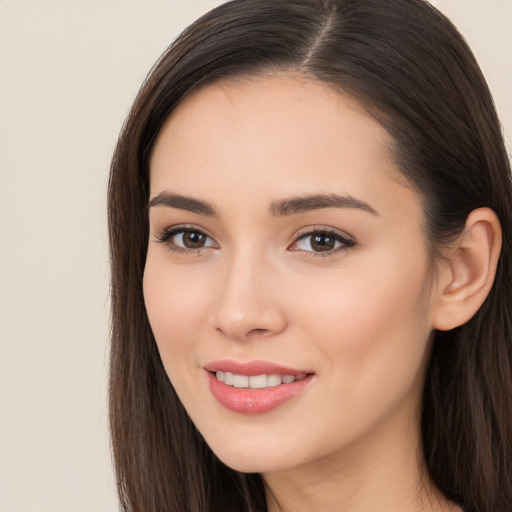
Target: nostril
{"x": 243, "y": 334}
{"x": 257, "y": 332}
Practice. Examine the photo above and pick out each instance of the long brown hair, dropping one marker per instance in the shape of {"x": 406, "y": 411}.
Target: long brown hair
{"x": 411, "y": 69}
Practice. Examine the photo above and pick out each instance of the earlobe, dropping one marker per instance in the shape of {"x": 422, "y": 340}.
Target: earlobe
{"x": 469, "y": 270}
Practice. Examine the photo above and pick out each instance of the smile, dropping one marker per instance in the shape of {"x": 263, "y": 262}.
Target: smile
{"x": 255, "y": 387}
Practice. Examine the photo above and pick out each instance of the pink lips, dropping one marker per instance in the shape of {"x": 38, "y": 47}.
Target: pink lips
{"x": 254, "y": 401}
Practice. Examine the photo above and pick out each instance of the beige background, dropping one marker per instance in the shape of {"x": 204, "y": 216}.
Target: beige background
{"x": 68, "y": 73}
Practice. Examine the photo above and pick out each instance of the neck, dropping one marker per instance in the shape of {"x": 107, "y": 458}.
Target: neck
{"x": 382, "y": 472}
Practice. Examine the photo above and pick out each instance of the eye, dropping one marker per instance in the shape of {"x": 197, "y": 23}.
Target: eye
{"x": 322, "y": 241}
{"x": 185, "y": 239}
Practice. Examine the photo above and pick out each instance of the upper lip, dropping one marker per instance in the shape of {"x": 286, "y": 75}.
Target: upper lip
{"x": 251, "y": 368}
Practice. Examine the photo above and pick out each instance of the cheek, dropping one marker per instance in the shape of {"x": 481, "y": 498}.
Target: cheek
{"x": 370, "y": 332}
{"x": 176, "y": 306}
{"x": 370, "y": 321}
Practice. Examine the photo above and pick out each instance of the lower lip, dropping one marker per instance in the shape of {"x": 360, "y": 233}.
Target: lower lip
{"x": 255, "y": 401}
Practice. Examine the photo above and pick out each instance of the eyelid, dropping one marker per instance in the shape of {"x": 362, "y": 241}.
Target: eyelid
{"x": 348, "y": 241}
{"x": 165, "y": 236}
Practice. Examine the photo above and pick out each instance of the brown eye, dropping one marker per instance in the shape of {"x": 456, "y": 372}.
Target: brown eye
{"x": 192, "y": 239}
{"x": 183, "y": 239}
{"x": 322, "y": 242}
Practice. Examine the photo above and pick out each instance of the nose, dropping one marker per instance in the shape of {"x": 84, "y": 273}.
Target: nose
{"x": 249, "y": 305}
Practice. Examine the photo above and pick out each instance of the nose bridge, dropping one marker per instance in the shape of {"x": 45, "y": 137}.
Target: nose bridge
{"x": 247, "y": 305}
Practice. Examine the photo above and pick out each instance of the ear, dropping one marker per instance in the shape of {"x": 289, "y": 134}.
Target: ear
{"x": 466, "y": 276}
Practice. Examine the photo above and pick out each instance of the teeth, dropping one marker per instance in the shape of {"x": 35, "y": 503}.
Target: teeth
{"x": 240, "y": 381}
{"x": 274, "y": 380}
{"x": 256, "y": 381}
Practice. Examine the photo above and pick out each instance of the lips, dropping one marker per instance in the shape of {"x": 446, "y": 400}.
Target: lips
{"x": 255, "y": 387}
{"x": 252, "y": 368}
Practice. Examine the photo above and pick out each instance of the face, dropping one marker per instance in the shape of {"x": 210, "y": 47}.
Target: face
{"x": 287, "y": 280}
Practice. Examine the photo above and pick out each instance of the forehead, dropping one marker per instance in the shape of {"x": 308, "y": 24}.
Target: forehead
{"x": 284, "y": 107}
{"x": 274, "y": 135}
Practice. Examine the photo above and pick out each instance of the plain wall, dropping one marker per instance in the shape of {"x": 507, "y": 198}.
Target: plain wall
{"x": 69, "y": 71}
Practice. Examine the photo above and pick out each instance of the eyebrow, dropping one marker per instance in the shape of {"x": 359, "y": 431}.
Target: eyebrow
{"x": 183, "y": 203}
{"x": 281, "y": 208}
{"x": 304, "y": 204}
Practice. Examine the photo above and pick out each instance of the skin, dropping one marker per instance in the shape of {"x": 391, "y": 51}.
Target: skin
{"x": 359, "y": 316}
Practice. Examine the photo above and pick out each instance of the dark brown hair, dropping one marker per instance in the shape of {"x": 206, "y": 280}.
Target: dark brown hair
{"x": 411, "y": 69}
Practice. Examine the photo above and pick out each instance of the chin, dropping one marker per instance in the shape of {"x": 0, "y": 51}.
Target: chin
{"x": 248, "y": 464}
{"x": 256, "y": 457}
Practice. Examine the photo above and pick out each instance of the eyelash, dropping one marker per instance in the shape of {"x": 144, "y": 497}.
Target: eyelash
{"x": 344, "y": 241}
{"x": 166, "y": 236}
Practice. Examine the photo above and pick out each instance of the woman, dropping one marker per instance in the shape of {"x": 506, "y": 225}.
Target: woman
{"x": 310, "y": 219}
